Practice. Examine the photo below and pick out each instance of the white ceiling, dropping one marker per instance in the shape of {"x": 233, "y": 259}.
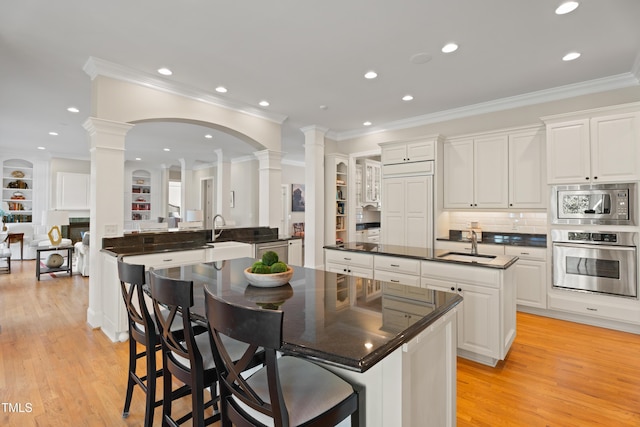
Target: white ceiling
{"x": 298, "y": 55}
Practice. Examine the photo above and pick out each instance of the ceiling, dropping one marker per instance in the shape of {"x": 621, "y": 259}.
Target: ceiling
{"x": 307, "y": 58}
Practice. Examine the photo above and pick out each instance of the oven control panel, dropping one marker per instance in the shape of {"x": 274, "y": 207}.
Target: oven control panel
{"x": 592, "y": 237}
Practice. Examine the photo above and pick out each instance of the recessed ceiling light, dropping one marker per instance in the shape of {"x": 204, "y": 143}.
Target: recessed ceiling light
{"x": 407, "y": 98}
{"x": 264, "y": 103}
{"x": 370, "y": 75}
{"x": 367, "y": 123}
{"x": 323, "y": 107}
{"x": 566, "y": 7}
{"x": 571, "y": 56}
{"x": 138, "y": 158}
{"x": 208, "y": 136}
{"x": 165, "y": 71}
{"x": 449, "y": 47}
{"x": 41, "y": 148}
{"x": 53, "y": 133}
{"x": 167, "y": 149}
{"x": 221, "y": 89}
{"x": 73, "y": 110}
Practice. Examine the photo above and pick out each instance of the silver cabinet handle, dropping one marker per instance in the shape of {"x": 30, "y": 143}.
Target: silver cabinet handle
{"x": 167, "y": 260}
{"x": 395, "y": 265}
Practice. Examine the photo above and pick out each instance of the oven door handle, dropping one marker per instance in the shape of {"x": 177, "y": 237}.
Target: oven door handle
{"x": 597, "y": 247}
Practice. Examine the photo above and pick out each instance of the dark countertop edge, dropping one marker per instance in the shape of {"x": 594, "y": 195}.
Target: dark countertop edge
{"x": 375, "y": 357}
{"x": 512, "y": 259}
{"x": 487, "y": 242}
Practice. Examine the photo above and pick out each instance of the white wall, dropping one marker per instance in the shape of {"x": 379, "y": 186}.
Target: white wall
{"x": 244, "y": 183}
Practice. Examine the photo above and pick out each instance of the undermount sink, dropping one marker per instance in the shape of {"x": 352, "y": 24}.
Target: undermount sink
{"x": 466, "y": 257}
{"x": 223, "y": 245}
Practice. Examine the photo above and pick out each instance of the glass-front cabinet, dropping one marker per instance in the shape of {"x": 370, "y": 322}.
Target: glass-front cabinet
{"x": 17, "y": 190}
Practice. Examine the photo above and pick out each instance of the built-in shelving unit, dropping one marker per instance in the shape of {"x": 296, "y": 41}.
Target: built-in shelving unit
{"x": 141, "y": 195}
{"x": 17, "y": 190}
{"x": 337, "y": 174}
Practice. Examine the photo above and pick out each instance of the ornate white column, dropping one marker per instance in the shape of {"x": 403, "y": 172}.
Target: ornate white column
{"x": 270, "y": 207}
{"x": 314, "y": 196}
{"x": 106, "y": 145}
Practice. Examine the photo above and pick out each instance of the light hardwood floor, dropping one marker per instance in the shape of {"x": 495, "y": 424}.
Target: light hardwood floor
{"x": 557, "y": 373}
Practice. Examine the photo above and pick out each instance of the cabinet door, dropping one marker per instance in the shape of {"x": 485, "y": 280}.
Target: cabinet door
{"x": 531, "y": 283}
{"x": 393, "y": 154}
{"x": 418, "y": 211}
{"x": 490, "y": 172}
{"x": 295, "y": 252}
{"x": 479, "y": 321}
{"x": 458, "y": 174}
{"x": 614, "y": 147}
{"x": 393, "y": 215}
{"x": 526, "y": 164}
{"x": 420, "y": 151}
{"x": 568, "y": 152}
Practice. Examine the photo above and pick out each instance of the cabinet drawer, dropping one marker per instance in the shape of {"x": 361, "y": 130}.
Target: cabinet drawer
{"x": 350, "y": 258}
{"x": 526, "y": 252}
{"x": 628, "y": 313}
{"x": 397, "y": 264}
{"x": 404, "y": 279}
{"x": 168, "y": 259}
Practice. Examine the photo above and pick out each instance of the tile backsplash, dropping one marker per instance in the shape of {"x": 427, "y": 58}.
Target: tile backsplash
{"x": 506, "y": 222}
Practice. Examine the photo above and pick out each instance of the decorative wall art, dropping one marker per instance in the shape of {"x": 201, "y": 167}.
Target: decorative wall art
{"x": 297, "y": 197}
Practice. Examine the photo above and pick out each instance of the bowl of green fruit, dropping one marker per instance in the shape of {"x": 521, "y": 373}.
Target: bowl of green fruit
{"x": 268, "y": 272}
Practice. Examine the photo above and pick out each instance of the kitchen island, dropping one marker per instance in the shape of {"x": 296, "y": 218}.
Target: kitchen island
{"x": 405, "y": 374}
{"x": 487, "y": 320}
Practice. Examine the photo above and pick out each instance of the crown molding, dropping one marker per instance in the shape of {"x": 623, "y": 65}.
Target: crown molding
{"x": 95, "y": 67}
{"x": 584, "y": 88}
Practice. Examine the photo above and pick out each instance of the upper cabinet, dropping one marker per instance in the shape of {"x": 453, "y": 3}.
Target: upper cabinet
{"x": 596, "y": 146}
{"x": 495, "y": 171}
{"x": 527, "y": 189}
{"x": 476, "y": 172}
{"x": 371, "y": 183}
{"x": 413, "y": 151}
{"x": 17, "y": 190}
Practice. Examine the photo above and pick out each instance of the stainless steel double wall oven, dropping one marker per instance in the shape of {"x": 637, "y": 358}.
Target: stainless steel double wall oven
{"x": 593, "y": 258}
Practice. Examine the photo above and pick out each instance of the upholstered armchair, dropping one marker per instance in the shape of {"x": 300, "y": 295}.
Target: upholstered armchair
{"x": 82, "y": 252}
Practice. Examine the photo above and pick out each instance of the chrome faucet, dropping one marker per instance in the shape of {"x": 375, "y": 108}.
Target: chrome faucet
{"x": 214, "y": 236}
{"x": 474, "y": 243}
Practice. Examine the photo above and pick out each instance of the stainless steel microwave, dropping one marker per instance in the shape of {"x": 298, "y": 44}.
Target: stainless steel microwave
{"x": 594, "y": 204}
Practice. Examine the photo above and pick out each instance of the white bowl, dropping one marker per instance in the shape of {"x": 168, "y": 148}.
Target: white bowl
{"x": 268, "y": 280}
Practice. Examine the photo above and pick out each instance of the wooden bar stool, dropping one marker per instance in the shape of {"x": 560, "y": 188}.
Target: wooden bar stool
{"x": 287, "y": 391}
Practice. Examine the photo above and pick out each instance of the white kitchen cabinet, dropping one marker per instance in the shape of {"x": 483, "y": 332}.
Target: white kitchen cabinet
{"x": 600, "y": 148}
{"x": 407, "y": 214}
{"x": 527, "y": 186}
{"x": 397, "y": 270}
{"x": 531, "y": 275}
{"x": 349, "y": 263}
{"x": 476, "y": 172}
{"x": 487, "y": 320}
{"x": 406, "y": 152}
{"x": 295, "y": 252}
{"x": 371, "y": 183}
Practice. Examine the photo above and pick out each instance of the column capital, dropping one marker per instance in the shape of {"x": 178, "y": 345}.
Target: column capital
{"x": 315, "y": 129}
{"x": 269, "y": 159}
{"x": 94, "y": 125}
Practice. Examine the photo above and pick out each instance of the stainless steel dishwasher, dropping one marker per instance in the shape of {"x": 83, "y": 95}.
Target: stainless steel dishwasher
{"x": 281, "y": 247}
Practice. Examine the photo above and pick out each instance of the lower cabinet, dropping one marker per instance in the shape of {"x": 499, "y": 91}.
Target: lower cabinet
{"x": 295, "y": 252}
{"x": 531, "y": 276}
{"x": 487, "y": 319}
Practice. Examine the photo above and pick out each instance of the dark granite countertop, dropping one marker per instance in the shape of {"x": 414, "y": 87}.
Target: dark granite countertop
{"x": 496, "y": 238}
{"x": 172, "y": 241}
{"x": 426, "y": 254}
{"x": 324, "y": 318}
{"x": 367, "y": 225}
